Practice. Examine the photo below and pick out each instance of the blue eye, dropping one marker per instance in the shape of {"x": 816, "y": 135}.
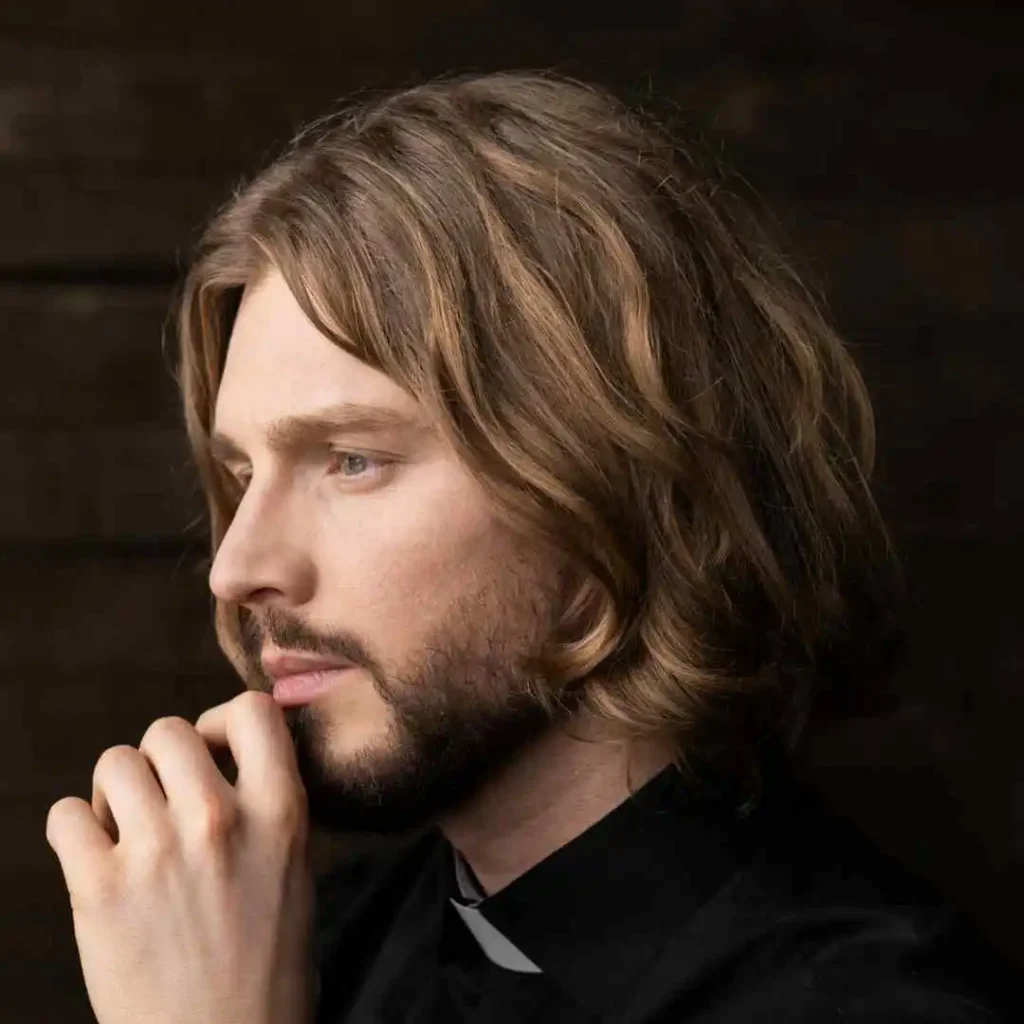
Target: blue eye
{"x": 346, "y": 457}
{"x": 354, "y": 466}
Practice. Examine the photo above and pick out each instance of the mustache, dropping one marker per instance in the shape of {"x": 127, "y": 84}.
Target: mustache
{"x": 288, "y": 632}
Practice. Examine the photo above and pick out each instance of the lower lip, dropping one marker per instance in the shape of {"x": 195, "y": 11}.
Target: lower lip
{"x": 303, "y": 687}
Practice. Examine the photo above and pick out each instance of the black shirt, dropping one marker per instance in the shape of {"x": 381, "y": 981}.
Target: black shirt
{"x": 684, "y": 904}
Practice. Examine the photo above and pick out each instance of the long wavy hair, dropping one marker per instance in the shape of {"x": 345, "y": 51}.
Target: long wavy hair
{"x": 607, "y": 338}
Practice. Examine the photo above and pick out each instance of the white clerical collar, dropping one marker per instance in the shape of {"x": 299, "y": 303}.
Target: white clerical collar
{"x": 496, "y": 946}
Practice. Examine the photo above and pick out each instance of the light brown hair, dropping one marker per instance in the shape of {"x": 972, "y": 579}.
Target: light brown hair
{"x": 606, "y": 337}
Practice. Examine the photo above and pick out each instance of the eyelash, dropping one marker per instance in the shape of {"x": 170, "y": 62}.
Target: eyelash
{"x": 343, "y": 453}
{"x": 242, "y": 482}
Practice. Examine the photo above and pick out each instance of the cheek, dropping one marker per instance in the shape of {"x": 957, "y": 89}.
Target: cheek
{"x": 406, "y": 558}
{"x": 423, "y": 576}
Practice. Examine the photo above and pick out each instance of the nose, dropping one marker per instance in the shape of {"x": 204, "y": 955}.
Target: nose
{"x": 261, "y": 556}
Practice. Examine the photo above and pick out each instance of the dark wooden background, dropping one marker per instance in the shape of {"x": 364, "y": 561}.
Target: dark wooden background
{"x": 885, "y": 139}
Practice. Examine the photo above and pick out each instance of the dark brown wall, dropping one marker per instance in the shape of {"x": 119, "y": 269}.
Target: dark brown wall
{"x": 885, "y": 140}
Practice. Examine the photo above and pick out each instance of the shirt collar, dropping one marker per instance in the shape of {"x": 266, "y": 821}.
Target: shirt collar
{"x": 597, "y": 911}
{"x": 496, "y": 946}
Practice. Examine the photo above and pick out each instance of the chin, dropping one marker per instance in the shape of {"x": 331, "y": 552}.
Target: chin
{"x": 359, "y": 745}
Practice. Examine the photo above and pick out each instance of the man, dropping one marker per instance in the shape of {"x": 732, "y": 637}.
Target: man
{"x": 539, "y": 503}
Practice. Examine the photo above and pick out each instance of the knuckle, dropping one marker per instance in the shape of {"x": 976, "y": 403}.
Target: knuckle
{"x": 60, "y": 807}
{"x": 169, "y": 724}
{"x": 214, "y": 819}
{"x": 113, "y": 757}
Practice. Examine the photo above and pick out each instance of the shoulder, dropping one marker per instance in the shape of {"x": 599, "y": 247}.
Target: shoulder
{"x": 897, "y": 964}
{"x": 822, "y": 925}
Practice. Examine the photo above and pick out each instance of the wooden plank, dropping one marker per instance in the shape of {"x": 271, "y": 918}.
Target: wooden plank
{"x": 950, "y": 424}
{"x": 76, "y": 220}
{"x": 872, "y": 255}
{"x": 791, "y": 32}
{"x": 111, "y": 109}
{"x": 86, "y": 357}
{"x": 121, "y": 154}
{"x": 319, "y": 30}
{"x": 924, "y": 362}
{"x": 111, "y": 611}
{"x": 99, "y": 484}
{"x": 158, "y": 113}
{"x": 963, "y": 478}
{"x": 843, "y": 128}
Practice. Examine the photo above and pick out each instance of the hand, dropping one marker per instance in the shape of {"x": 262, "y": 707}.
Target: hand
{"x": 193, "y": 904}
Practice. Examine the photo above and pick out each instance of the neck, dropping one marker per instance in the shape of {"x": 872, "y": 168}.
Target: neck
{"x": 555, "y": 791}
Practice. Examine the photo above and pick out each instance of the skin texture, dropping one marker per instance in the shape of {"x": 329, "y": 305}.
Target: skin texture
{"x": 192, "y": 897}
{"x": 405, "y": 570}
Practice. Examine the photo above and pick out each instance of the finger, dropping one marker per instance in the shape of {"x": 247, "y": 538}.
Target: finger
{"x": 80, "y": 842}
{"x": 192, "y": 783}
{"x": 253, "y": 727}
{"x": 126, "y": 796}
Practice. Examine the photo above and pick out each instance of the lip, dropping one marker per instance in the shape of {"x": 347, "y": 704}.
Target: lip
{"x": 280, "y": 665}
{"x": 305, "y": 687}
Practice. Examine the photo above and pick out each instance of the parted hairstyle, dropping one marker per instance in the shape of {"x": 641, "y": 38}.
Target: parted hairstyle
{"x": 607, "y": 338}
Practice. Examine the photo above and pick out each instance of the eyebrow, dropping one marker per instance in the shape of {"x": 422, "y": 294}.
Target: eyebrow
{"x": 292, "y": 432}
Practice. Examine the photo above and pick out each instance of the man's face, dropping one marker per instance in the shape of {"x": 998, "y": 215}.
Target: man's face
{"x": 379, "y": 548}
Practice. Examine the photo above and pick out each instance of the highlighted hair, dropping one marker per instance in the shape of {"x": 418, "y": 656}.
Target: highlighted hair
{"x": 609, "y": 342}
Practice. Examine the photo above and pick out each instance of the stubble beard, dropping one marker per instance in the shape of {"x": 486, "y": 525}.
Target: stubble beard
{"x": 465, "y": 712}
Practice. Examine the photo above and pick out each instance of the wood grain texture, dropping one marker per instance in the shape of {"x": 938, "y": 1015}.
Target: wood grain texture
{"x": 117, "y": 152}
{"x": 98, "y": 484}
{"x": 881, "y": 135}
{"x": 87, "y": 357}
{"x": 112, "y": 610}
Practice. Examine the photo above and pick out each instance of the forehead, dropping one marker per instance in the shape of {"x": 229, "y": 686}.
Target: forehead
{"x": 278, "y": 364}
